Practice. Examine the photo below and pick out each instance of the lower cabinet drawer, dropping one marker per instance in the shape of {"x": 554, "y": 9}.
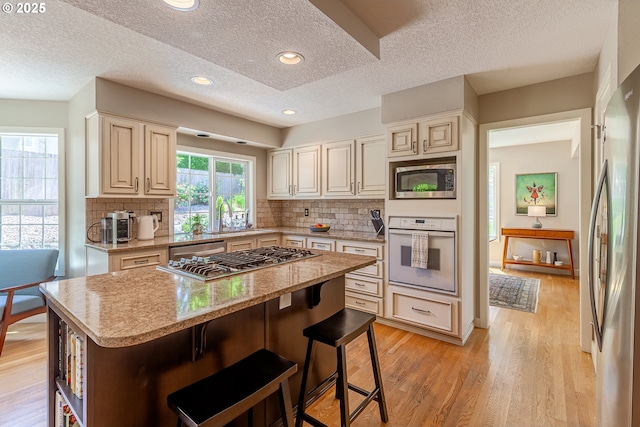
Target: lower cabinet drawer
{"x": 374, "y": 270}
{"x": 240, "y": 245}
{"x": 368, "y": 285}
{"x": 362, "y": 303}
{"x": 137, "y": 260}
{"x": 295, "y": 242}
{"x": 435, "y": 314}
{"x": 321, "y": 245}
{"x": 268, "y": 241}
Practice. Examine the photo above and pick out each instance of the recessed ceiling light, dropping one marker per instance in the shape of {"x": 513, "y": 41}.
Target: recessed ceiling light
{"x": 204, "y": 81}
{"x": 290, "y": 58}
{"x": 183, "y": 5}
{"x": 288, "y": 112}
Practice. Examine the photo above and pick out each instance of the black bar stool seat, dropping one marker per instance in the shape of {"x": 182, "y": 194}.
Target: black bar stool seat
{"x": 223, "y": 396}
{"x": 338, "y": 331}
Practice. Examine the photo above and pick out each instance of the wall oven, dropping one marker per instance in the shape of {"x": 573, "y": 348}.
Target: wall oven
{"x": 438, "y": 270}
{"x": 426, "y": 181}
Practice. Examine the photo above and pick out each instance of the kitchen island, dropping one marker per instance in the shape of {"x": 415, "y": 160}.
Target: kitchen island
{"x": 145, "y": 333}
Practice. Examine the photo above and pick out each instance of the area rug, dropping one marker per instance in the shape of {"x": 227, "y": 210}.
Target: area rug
{"x": 517, "y": 293}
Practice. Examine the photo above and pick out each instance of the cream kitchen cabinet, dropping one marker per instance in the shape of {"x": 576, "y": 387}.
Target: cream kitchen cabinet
{"x": 270, "y": 240}
{"x": 364, "y": 288}
{"x": 100, "y": 262}
{"x": 294, "y": 241}
{"x": 240, "y": 245}
{"x": 428, "y": 136}
{"x": 354, "y": 168}
{"x": 294, "y": 173}
{"x": 129, "y": 158}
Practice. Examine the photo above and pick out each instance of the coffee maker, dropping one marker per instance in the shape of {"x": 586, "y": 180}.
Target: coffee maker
{"x": 116, "y": 227}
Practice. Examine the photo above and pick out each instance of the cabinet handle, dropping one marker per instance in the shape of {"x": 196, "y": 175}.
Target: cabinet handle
{"x": 290, "y": 193}
{"x": 360, "y": 303}
{"x": 424, "y": 146}
{"x": 359, "y": 284}
{"x": 351, "y": 187}
{"x": 413, "y": 147}
{"x": 148, "y": 184}
{"x": 359, "y": 250}
{"x": 145, "y": 261}
{"x": 136, "y": 185}
{"x": 358, "y": 187}
{"x": 419, "y": 310}
{"x": 294, "y": 189}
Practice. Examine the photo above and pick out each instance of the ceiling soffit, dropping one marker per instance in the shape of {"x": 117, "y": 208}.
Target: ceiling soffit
{"x": 245, "y": 36}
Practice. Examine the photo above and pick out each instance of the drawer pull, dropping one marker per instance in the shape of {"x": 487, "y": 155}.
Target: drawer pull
{"x": 359, "y": 250}
{"x": 359, "y": 284}
{"x": 360, "y": 302}
{"x": 144, "y": 261}
{"x": 419, "y": 310}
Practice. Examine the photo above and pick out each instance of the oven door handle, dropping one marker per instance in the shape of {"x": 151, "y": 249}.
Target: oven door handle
{"x": 450, "y": 234}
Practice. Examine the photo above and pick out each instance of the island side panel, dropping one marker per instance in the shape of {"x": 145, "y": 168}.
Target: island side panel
{"x": 285, "y": 337}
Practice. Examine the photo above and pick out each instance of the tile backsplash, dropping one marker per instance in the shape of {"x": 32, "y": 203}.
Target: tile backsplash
{"x": 341, "y": 214}
{"x": 98, "y": 208}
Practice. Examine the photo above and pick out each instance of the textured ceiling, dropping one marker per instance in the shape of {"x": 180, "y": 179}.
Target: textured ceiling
{"x": 499, "y": 44}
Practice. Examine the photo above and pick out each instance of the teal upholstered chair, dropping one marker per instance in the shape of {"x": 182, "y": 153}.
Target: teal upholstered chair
{"x": 21, "y": 271}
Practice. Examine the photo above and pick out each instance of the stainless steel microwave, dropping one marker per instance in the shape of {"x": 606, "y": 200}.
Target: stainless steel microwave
{"x": 426, "y": 182}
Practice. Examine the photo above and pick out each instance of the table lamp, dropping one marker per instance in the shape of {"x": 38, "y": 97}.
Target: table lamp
{"x": 536, "y": 211}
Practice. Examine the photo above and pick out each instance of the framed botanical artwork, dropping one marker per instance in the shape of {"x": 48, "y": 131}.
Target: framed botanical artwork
{"x": 537, "y": 189}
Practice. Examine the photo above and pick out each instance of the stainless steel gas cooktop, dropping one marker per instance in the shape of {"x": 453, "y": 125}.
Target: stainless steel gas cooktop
{"x": 226, "y": 264}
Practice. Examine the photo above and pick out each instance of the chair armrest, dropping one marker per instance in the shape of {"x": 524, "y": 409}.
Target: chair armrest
{"x": 28, "y": 285}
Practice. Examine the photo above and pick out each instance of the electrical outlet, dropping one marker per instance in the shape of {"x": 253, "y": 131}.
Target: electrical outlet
{"x": 158, "y": 215}
{"x": 306, "y": 212}
{"x": 285, "y": 301}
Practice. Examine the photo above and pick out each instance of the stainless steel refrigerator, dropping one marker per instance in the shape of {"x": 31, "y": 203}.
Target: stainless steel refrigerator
{"x": 613, "y": 269}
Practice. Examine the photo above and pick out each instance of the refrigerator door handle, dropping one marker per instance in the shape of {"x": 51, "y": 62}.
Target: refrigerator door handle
{"x": 598, "y": 328}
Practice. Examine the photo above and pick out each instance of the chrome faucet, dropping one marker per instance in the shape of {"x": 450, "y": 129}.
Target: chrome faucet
{"x": 220, "y": 214}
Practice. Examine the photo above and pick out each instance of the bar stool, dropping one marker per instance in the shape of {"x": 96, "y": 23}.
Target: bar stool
{"x": 223, "y": 396}
{"x": 338, "y": 331}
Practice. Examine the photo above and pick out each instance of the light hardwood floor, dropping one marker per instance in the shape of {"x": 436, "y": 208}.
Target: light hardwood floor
{"x": 525, "y": 370}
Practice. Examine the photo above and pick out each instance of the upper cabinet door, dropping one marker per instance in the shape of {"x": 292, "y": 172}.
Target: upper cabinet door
{"x": 439, "y": 135}
{"x": 306, "y": 171}
{"x": 280, "y": 174}
{"x": 402, "y": 140}
{"x": 160, "y": 161}
{"x": 121, "y": 151}
{"x": 338, "y": 164}
{"x": 370, "y": 166}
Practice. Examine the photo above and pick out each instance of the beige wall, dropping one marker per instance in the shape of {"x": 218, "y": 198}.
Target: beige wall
{"x": 363, "y": 123}
{"x": 534, "y": 158}
{"x": 124, "y": 100}
{"x": 571, "y": 93}
{"x": 628, "y": 37}
{"x": 33, "y": 113}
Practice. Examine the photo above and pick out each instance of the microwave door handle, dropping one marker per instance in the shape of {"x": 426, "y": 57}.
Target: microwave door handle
{"x": 592, "y": 224}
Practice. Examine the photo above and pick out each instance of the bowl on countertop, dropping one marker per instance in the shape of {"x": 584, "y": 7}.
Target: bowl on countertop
{"x": 312, "y": 228}
{"x": 517, "y": 257}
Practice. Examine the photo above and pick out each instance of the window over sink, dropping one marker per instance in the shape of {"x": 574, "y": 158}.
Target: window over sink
{"x": 210, "y": 183}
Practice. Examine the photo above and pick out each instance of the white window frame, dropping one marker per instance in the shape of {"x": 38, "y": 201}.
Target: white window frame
{"x": 495, "y": 166}
{"x": 62, "y": 217}
{"x": 251, "y": 177}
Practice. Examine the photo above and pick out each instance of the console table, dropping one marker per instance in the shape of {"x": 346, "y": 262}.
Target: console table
{"x": 540, "y": 234}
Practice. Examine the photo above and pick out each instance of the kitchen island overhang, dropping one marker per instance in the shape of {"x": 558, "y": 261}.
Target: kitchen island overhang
{"x": 139, "y": 329}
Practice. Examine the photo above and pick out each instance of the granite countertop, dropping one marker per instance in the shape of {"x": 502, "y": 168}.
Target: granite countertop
{"x": 189, "y": 239}
{"x": 132, "y": 307}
